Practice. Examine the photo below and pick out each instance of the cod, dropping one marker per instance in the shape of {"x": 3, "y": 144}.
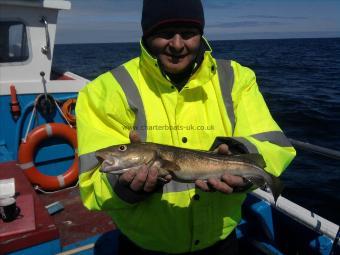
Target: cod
{"x": 186, "y": 165}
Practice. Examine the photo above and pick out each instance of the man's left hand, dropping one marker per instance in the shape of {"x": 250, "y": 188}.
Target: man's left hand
{"x": 227, "y": 183}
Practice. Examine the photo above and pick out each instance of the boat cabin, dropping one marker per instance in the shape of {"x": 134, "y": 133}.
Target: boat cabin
{"x": 27, "y": 39}
{"x": 28, "y": 30}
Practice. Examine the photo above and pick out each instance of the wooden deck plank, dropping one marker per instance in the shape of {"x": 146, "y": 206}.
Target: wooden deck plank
{"x": 45, "y": 230}
{"x": 73, "y": 224}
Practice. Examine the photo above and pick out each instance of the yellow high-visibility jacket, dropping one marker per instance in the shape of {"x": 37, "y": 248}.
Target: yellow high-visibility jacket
{"x": 221, "y": 99}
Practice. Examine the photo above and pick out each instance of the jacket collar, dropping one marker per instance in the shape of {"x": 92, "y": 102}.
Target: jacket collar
{"x": 150, "y": 68}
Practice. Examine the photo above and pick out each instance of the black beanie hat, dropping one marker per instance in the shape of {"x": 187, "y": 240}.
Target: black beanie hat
{"x": 161, "y": 12}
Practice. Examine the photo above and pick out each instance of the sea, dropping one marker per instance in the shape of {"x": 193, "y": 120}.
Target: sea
{"x": 300, "y": 81}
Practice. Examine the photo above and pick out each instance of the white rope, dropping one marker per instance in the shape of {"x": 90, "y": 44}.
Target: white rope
{"x": 29, "y": 124}
{"x": 37, "y": 187}
{"x": 62, "y": 114}
{"x": 78, "y": 249}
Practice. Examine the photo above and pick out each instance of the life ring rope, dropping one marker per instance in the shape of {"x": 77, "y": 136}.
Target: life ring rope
{"x": 34, "y": 113}
{"x": 28, "y": 149}
{"x": 67, "y": 111}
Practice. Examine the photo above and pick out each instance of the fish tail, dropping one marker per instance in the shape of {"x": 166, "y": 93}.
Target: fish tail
{"x": 275, "y": 186}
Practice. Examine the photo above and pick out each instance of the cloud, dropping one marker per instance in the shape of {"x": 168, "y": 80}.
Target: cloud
{"x": 119, "y": 20}
{"x": 240, "y": 24}
{"x": 211, "y": 4}
{"x": 270, "y": 17}
{"x": 225, "y": 35}
{"x": 102, "y": 11}
{"x": 100, "y": 21}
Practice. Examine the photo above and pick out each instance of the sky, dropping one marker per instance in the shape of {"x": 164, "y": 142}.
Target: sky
{"x": 105, "y": 21}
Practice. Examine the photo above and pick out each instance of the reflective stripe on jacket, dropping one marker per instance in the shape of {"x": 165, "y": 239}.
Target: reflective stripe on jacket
{"x": 217, "y": 101}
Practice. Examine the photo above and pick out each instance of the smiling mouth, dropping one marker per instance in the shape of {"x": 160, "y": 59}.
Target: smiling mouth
{"x": 175, "y": 59}
{"x": 176, "y": 56}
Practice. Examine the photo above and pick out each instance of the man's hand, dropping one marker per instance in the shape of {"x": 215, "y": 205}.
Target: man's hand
{"x": 146, "y": 177}
{"x": 222, "y": 149}
{"x": 142, "y": 179}
{"x": 227, "y": 183}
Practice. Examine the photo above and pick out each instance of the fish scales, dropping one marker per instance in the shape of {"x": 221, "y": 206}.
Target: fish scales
{"x": 202, "y": 165}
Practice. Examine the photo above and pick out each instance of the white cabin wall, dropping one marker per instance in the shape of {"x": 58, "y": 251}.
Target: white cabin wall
{"x": 37, "y": 62}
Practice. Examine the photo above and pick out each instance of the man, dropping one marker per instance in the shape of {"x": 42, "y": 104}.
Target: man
{"x": 177, "y": 94}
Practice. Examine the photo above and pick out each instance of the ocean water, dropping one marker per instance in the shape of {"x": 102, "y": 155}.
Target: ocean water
{"x": 300, "y": 81}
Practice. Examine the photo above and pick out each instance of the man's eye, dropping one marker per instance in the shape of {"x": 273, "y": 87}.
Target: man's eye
{"x": 187, "y": 35}
{"x": 166, "y": 35}
{"x": 170, "y": 34}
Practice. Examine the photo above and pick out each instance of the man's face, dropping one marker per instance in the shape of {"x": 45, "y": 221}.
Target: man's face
{"x": 175, "y": 47}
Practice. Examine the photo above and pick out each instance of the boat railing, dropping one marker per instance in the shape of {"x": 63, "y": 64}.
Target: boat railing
{"x": 295, "y": 211}
{"x": 330, "y": 153}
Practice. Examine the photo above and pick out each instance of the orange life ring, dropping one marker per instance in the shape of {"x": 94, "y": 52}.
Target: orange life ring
{"x": 67, "y": 110}
{"x": 28, "y": 149}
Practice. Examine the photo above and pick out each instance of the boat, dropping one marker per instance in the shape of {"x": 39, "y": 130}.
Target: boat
{"x": 38, "y": 158}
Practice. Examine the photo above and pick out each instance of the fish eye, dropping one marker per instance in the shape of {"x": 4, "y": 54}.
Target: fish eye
{"x": 122, "y": 148}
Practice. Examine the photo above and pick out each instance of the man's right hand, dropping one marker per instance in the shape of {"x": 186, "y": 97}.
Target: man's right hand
{"x": 146, "y": 177}
{"x": 142, "y": 179}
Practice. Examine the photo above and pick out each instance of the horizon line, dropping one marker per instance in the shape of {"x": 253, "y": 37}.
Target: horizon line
{"x": 215, "y": 40}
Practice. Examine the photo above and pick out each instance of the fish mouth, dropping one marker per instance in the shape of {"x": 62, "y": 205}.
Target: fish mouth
{"x": 121, "y": 170}
{"x": 113, "y": 166}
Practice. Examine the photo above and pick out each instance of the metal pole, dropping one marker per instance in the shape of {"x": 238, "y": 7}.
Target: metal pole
{"x": 42, "y": 74}
{"x": 316, "y": 149}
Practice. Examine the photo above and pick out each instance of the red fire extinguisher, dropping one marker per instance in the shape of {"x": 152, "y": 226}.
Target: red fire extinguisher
{"x": 14, "y": 104}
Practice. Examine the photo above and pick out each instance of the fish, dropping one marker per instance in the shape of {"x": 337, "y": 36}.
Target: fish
{"x": 187, "y": 165}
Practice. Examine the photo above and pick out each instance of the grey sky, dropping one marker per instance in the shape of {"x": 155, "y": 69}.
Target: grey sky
{"x": 119, "y": 20}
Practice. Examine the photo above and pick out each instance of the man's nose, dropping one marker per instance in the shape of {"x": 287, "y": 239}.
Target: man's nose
{"x": 176, "y": 42}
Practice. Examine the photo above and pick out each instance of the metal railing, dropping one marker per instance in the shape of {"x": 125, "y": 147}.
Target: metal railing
{"x": 315, "y": 149}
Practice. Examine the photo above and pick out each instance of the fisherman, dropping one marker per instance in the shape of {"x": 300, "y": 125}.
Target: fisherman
{"x": 176, "y": 93}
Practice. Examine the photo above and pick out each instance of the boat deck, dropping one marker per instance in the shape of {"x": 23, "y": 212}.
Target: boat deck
{"x": 73, "y": 224}
{"x": 262, "y": 229}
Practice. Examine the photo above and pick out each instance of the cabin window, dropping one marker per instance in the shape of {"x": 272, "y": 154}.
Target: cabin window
{"x": 13, "y": 42}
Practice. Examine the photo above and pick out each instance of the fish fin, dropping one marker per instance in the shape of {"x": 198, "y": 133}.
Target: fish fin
{"x": 275, "y": 186}
{"x": 258, "y": 182}
{"x": 253, "y": 157}
{"x": 169, "y": 165}
{"x": 162, "y": 172}
{"x": 272, "y": 182}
